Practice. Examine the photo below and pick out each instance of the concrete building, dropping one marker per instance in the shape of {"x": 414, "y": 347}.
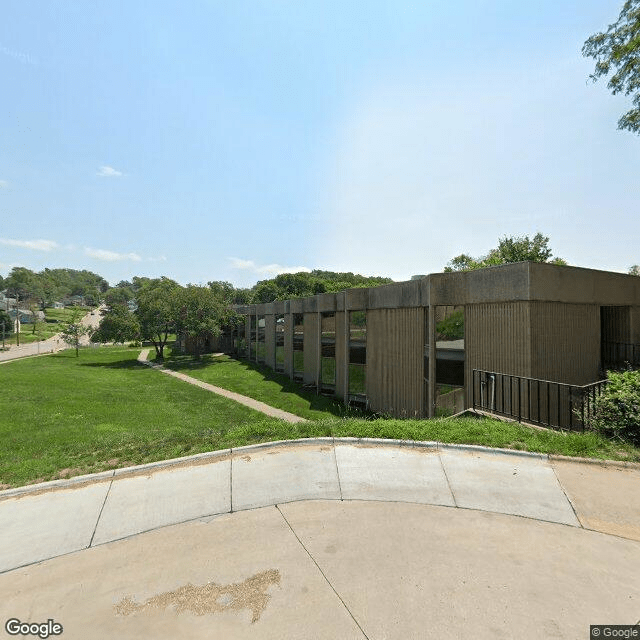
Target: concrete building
{"x": 525, "y": 340}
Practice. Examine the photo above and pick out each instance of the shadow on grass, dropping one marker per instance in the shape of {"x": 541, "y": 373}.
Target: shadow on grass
{"x": 316, "y": 402}
{"x": 119, "y": 364}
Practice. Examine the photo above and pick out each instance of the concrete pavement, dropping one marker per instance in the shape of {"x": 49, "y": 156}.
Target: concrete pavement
{"x": 328, "y": 538}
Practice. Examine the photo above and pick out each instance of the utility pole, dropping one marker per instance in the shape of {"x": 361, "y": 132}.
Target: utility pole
{"x": 3, "y": 335}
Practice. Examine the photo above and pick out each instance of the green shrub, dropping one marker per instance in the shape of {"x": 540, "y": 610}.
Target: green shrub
{"x": 617, "y": 410}
{"x": 452, "y": 328}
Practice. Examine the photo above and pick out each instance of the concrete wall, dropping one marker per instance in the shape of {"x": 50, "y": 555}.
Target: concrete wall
{"x": 395, "y": 363}
{"x": 565, "y": 342}
{"x": 525, "y": 319}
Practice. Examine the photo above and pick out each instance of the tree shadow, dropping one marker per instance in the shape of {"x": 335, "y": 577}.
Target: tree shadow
{"x": 118, "y": 364}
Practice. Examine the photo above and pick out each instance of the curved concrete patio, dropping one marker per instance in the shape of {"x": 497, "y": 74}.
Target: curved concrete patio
{"x": 328, "y": 539}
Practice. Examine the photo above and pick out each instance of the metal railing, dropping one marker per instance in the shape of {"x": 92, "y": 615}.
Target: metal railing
{"x": 542, "y": 402}
{"x": 620, "y": 355}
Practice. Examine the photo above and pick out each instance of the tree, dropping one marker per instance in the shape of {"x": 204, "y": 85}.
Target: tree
{"x": 509, "y": 249}
{"x": 201, "y": 312}
{"x": 118, "y": 325}
{"x": 8, "y": 322}
{"x": 118, "y": 296}
{"x": 618, "y": 49}
{"x": 156, "y": 312}
{"x": 22, "y": 283}
{"x": 73, "y": 331}
{"x": 634, "y": 270}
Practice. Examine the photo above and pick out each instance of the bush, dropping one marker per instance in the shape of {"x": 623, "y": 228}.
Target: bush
{"x": 452, "y": 328}
{"x": 617, "y": 410}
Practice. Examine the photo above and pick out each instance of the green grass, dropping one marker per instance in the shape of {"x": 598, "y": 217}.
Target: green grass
{"x": 65, "y": 416}
{"x": 104, "y": 410}
{"x": 258, "y": 382}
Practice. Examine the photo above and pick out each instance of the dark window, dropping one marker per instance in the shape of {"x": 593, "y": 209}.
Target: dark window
{"x": 358, "y": 356}
{"x": 328, "y": 353}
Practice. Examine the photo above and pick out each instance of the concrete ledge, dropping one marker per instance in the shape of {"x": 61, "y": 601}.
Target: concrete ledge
{"x": 211, "y": 455}
{"x": 51, "y": 485}
{"x": 164, "y": 464}
{"x": 282, "y": 443}
{"x": 481, "y": 449}
{"x": 621, "y": 464}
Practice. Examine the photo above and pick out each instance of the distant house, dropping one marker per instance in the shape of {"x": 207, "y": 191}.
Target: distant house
{"x": 74, "y": 301}
{"x": 55, "y": 305}
{"x": 26, "y": 316}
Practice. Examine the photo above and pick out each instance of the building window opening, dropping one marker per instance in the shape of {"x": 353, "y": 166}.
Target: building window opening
{"x": 358, "y": 357}
{"x": 279, "y": 342}
{"x": 298, "y": 347}
{"x": 450, "y": 356}
{"x": 261, "y": 347}
{"x": 328, "y": 353}
{"x": 252, "y": 337}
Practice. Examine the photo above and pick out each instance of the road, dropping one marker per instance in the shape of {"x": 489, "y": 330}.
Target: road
{"x": 51, "y": 345}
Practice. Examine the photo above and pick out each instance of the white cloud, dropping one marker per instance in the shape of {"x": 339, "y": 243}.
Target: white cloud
{"x": 266, "y": 269}
{"x": 38, "y": 245}
{"x": 4, "y": 184}
{"x": 111, "y": 256}
{"x": 108, "y": 172}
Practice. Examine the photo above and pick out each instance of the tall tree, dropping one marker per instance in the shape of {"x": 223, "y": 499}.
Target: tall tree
{"x": 118, "y": 325}
{"x": 156, "y": 312}
{"x": 201, "y": 312}
{"x": 634, "y": 270}
{"x": 618, "y": 50}
{"x": 509, "y": 249}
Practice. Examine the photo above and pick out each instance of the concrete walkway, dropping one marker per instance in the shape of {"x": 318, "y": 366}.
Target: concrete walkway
{"x": 245, "y": 400}
{"x": 328, "y": 538}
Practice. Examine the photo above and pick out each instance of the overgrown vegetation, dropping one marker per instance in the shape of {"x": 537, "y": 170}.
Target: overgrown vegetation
{"x": 617, "y": 410}
{"x": 509, "y": 250}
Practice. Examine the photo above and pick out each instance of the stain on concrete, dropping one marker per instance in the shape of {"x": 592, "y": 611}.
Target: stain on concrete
{"x": 210, "y": 598}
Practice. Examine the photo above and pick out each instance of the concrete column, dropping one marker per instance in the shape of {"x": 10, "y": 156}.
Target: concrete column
{"x": 288, "y": 344}
{"x": 319, "y": 353}
{"x": 347, "y": 353}
{"x": 431, "y": 332}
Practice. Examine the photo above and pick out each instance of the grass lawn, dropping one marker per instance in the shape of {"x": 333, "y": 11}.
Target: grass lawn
{"x": 258, "y": 382}
{"x": 65, "y": 416}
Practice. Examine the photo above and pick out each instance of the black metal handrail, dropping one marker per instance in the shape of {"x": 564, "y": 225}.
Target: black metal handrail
{"x": 543, "y": 402}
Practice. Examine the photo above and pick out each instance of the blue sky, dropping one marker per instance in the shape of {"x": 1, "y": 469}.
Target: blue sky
{"x": 235, "y": 140}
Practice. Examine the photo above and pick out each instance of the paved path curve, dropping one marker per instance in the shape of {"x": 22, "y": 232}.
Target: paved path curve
{"x": 328, "y": 539}
{"x": 50, "y": 345}
{"x": 245, "y": 400}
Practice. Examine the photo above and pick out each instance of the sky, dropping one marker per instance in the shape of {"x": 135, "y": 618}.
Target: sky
{"x": 237, "y": 140}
